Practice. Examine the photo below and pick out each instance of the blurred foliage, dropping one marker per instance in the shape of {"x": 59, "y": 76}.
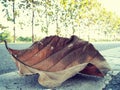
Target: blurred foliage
{"x": 85, "y": 18}
{"x": 2, "y": 27}
{"x": 5, "y": 35}
{"x": 25, "y": 39}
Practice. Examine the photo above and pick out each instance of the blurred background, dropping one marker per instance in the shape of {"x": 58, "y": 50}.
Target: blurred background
{"x": 31, "y": 20}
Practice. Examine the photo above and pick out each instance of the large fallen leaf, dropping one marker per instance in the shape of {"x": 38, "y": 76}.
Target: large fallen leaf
{"x": 56, "y": 59}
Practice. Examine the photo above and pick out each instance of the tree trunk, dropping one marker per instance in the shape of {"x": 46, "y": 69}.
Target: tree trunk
{"x": 57, "y": 26}
{"x": 46, "y": 16}
{"x": 32, "y": 22}
{"x": 14, "y": 36}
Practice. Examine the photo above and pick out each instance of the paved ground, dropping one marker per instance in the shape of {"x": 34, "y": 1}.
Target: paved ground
{"x": 10, "y": 80}
{"x": 113, "y": 59}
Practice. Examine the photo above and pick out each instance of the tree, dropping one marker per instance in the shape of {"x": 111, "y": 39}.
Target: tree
{"x": 9, "y": 18}
{"x": 32, "y": 20}
{"x": 79, "y": 17}
{"x": 14, "y": 15}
